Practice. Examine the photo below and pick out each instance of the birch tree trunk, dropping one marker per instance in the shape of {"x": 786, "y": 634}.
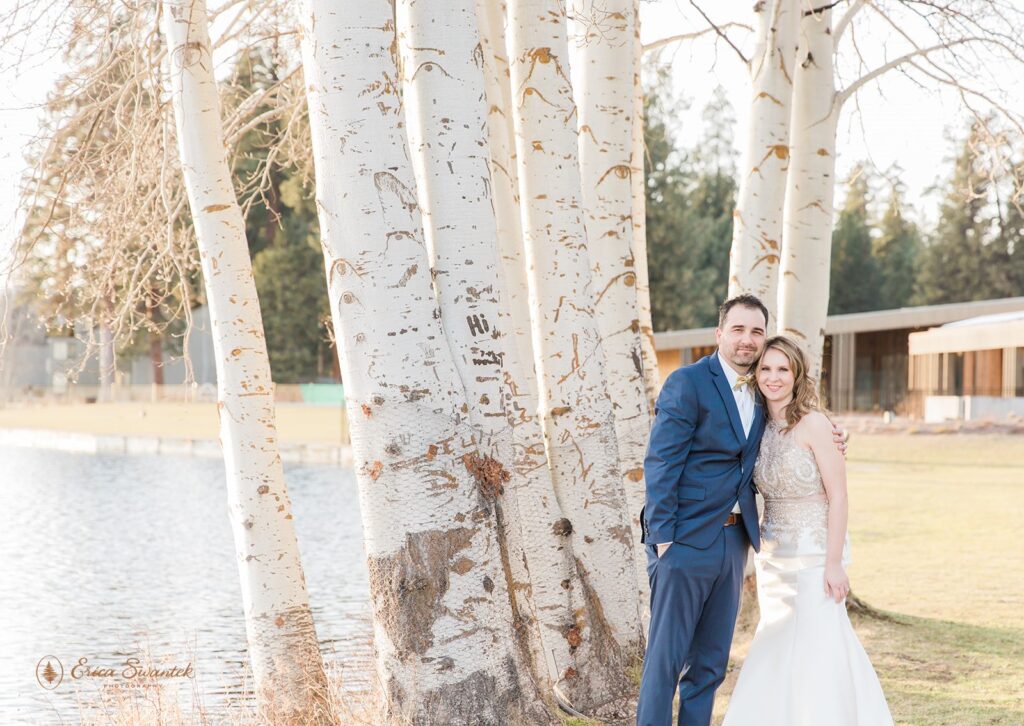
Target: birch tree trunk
{"x": 638, "y": 187}
{"x": 443, "y": 625}
{"x": 505, "y": 182}
{"x": 445, "y": 100}
{"x": 602, "y": 75}
{"x": 290, "y": 682}
{"x": 579, "y": 421}
{"x": 757, "y": 222}
{"x": 807, "y": 236}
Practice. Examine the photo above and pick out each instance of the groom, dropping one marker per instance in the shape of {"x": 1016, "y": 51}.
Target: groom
{"x": 700, "y": 516}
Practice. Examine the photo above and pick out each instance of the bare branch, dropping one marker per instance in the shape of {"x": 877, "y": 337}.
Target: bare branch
{"x": 662, "y": 42}
{"x": 821, "y": 8}
{"x": 844, "y": 22}
{"x": 865, "y": 79}
{"x": 720, "y": 32}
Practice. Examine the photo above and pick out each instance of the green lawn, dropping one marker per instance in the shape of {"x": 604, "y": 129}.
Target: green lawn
{"x": 934, "y": 530}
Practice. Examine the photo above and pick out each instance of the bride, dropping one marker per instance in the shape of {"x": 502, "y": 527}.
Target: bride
{"x": 805, "y": 666}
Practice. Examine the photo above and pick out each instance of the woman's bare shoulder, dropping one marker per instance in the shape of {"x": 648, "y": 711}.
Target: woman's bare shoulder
{"x": 815, "y": 425}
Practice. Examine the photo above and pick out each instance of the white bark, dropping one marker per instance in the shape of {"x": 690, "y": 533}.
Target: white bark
{"x": 757, "y": 222}
{"x": 602, "y": 75}
{"x": 287, "y": 669}
{"x": 442, "y": 620}
{"x": 505, "y": 182}
{"x": 807, "y": 236}
{"x": 579, "y": 421}
{"x": 446, "y": 107}
{"x": 638, "y": 185}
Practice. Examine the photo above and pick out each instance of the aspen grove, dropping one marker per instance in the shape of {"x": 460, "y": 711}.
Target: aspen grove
{"x": 480, "y": 191}
{"x": 504, "y": 571}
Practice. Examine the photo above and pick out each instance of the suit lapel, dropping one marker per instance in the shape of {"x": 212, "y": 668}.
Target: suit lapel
{"x": 728, "y": 399}
{"x": 757, "y": 427}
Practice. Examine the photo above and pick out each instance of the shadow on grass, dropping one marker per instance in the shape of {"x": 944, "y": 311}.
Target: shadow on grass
{"x": 937, "y": 672}
{"x": 933, "y": 672}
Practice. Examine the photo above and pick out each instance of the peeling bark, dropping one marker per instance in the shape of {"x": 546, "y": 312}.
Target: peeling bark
{"x": 444, "y": 62}
{"x": 579, "y": 420}
{"x": 445, "y": 639}
{"x": 602, "y": 74}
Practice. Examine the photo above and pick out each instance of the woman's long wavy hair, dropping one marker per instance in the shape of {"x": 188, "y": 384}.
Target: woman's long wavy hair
{"x": 805, "y": 387}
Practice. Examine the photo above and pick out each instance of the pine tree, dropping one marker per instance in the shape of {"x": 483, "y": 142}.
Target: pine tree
{"x": 854, "y": 278}
{"x": 1010, "y": 248}
{"x": 690, "y": 200}
{"x": 1014, "y": 235}
{"x": 958, "y": 263}
{"x": 895, "y": 251}
{"x": 283, "y": 235}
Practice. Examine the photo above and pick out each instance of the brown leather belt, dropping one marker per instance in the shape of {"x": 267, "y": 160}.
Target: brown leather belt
{"x": 734, "y": 518}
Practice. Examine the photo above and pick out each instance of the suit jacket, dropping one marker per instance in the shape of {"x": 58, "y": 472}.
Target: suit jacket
{"x": 698, "y": 460}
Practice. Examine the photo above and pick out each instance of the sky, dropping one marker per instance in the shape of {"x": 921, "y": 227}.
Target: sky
{"x": 887, "y": 124}
{"x": 892, "y": 123}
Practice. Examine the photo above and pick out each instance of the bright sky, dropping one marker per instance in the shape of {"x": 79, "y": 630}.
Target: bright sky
{"x": 892, "y": 122}
{"x": 905, "y": 126}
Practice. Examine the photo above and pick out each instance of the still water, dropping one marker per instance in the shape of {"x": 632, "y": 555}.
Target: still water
{"x": 113, "y": 557}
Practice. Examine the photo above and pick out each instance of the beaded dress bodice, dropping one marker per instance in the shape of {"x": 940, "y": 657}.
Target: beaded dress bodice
{"x": 787, "y": 476}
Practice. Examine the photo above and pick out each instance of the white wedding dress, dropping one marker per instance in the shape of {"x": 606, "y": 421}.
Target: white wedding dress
{"x": 805, "y": 666}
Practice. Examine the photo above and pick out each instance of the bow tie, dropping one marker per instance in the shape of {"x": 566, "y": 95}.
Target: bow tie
{"x": 744, "y": 380}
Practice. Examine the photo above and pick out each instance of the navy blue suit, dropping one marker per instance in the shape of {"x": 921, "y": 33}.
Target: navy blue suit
{"x": 699, "y": 464}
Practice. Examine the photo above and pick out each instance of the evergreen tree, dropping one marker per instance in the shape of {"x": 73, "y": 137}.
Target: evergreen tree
{"x": 1008, "y": 266}
{"x": 283, "y": 234}
{"x": 854, "y": 277}
{"x": 690, "y": 200}
{"x": 895, "y": 251}
{"x": 959, "y": 262}
{"x": 1011, "y": 236}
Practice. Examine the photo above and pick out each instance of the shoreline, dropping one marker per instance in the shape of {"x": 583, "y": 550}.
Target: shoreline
{"x": 306, "y": 433}
{"x": 90, "y": 443}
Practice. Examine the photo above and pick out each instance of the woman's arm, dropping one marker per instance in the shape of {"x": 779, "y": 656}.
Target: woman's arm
{"x": 832, "y": 466}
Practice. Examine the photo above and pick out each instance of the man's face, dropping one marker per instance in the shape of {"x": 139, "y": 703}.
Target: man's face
{"x": 741, "y": 338}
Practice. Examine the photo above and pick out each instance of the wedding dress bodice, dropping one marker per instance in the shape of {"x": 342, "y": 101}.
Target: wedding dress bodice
{"x": 784, "y": 469}
{"x": 787, "y": 476}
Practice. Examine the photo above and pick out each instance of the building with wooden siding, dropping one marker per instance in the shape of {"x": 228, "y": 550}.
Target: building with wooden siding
{"x": 867, "y": 360}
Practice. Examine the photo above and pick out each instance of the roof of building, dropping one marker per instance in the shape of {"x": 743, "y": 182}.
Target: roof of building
{"x": 901, "y": 318}
{"x": 988, "y": 319}
{"x": 984, "y": 332}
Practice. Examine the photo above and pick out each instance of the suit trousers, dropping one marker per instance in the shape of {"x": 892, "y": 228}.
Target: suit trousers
{"x": 695, "y": 596}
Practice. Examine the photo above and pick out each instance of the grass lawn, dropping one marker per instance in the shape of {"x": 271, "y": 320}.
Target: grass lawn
{"x": 933, "y": 523}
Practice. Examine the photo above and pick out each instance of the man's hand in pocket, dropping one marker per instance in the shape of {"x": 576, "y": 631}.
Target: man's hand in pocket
{"x": 663, "y": 548}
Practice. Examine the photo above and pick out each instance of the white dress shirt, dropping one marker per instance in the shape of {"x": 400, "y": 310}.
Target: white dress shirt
{"x": 744, "y": 402}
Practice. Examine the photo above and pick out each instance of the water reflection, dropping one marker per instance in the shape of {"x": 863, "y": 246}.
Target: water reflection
{"x": 108, "y": 557}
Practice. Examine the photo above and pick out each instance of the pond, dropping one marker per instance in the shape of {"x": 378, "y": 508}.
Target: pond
{"x": 113, "y": 557}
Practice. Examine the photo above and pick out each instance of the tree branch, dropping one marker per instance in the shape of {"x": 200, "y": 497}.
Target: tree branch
{"x": 867, "y": 78}
{"x": 844, "y": 22}
{"x": 661, "y": 43}
{"x": 822, "y": 8}
{"x": 720, "y": 32}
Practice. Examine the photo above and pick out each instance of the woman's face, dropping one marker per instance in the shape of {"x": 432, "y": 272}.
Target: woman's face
{"x": 775, "y": 376}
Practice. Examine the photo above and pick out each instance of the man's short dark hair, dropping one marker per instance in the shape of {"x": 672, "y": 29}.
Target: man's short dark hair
{"x": 746, "y": 300}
